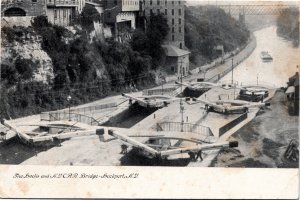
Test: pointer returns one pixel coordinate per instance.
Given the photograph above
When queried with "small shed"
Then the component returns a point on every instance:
(177, 60)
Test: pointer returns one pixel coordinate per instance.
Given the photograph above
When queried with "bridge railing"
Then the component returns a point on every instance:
(57, 116)
(205, 133)
(89, 109)
(165, 91)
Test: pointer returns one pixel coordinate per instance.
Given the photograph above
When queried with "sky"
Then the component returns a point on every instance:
(241, 2)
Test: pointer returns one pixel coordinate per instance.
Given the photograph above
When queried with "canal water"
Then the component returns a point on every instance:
(285, 55)
(131, 116)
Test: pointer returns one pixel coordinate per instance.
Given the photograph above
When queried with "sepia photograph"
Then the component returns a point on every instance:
(182, 85)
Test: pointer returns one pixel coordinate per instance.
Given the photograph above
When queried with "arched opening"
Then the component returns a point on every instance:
(14, 12)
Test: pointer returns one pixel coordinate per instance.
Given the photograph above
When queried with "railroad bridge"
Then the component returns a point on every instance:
(17, 8)
(242, 9)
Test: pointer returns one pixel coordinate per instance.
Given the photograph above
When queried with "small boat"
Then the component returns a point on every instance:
(265, 56)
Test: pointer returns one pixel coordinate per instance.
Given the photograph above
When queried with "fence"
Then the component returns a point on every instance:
(158, 91)
(204, 132)
(232, 124)
(56, 116)
(89, 109)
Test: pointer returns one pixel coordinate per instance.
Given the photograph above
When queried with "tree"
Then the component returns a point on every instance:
(40, 22)
(139, 41)
(157, 30)
(25, 67)
(88, 15)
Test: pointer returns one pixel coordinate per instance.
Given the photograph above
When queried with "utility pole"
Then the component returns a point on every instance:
(231, 70)
(181, 103)
(69, 99)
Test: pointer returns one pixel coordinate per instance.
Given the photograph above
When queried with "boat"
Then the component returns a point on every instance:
(266, 57)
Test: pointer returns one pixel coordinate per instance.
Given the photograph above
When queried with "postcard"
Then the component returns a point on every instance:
(149, 99)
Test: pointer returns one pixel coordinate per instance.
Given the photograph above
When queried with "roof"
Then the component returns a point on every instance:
(174, 51)
(294, 80)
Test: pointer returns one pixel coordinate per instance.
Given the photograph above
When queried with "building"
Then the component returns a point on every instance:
(121, 16)
(17, 8)
(177, 60)
(292, 93)
(174, 12)
(61, 12)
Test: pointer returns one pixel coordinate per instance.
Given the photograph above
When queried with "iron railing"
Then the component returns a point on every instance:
(205, 133)
(165, 91)
(62, 3)
(56, 116)
(89, 109)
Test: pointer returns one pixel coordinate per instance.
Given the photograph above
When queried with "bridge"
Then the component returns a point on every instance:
(250, 8)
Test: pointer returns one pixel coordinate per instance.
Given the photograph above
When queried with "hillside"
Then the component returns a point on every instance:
(288, 25)
(209, 26)
(42, 65)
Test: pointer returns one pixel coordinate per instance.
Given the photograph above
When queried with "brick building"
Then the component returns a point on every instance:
(177, 58)
(174, 12)
(20, 8)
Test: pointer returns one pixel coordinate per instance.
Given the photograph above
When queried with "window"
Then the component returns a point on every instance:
(64, 13)
(172, 11)
(179, 11)
(150, 2)
(173, 29)
(115, 2)
(172, 21)
(34, 1)
(55, 14)
(151, 12)
(158, 2)
(173, 38)
(172, 2)
(179, 2)
(179, 29)
(180, 45)
(179, 21)
(166, 11)
(166, 2)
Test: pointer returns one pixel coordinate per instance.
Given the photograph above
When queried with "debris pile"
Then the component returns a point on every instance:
(292, 151)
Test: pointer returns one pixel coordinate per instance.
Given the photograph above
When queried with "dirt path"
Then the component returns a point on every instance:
(263, 141)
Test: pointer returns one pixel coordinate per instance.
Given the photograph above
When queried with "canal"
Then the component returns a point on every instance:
(285, 55)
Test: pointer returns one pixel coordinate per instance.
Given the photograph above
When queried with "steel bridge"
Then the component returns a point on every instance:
(256, 9)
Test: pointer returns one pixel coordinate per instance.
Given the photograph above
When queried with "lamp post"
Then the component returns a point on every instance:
(69, 100)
